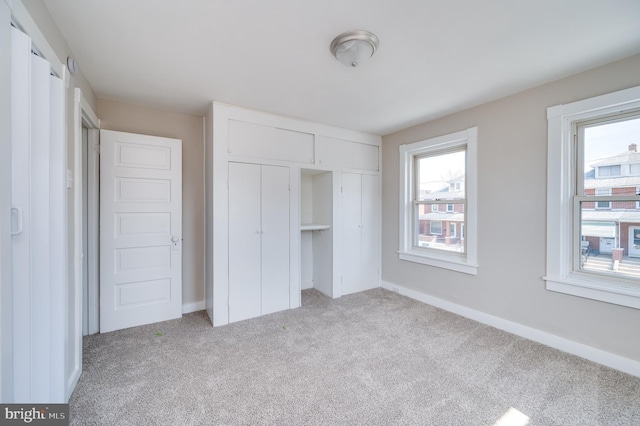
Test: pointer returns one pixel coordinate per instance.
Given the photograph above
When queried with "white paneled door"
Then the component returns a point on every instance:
(140, 229)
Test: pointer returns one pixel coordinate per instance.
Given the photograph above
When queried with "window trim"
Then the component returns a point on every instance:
(461, 262)
(561, 183)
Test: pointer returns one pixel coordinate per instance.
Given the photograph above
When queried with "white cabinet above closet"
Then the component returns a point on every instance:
(269, 143)
(343, 154)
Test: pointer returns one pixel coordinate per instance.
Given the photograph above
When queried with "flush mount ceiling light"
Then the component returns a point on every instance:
(354, 47)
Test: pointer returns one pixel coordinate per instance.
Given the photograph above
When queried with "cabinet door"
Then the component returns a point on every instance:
(275, 239)
(244, 241)
(370, 231)
(351, 236)
(341, 153)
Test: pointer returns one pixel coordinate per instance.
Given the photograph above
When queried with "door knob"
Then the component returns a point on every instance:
(174, 242)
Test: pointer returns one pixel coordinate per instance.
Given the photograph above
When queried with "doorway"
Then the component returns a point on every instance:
(634, 241)
(86, 210)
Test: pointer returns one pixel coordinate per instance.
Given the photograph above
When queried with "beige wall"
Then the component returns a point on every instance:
(512, 153)
(189, 128)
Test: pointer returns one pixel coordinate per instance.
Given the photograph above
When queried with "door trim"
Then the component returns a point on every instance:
(83, 114)
(631, 232)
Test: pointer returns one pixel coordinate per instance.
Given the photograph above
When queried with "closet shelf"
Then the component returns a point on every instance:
(313, 227)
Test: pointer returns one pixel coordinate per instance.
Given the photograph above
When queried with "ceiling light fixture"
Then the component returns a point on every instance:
(354, 47)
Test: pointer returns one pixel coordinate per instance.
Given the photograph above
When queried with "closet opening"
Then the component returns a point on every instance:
(316, 231)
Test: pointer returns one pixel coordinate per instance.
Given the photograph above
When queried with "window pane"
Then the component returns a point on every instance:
(610, 244)
(441, 176)
(438, 229)
(611, 157)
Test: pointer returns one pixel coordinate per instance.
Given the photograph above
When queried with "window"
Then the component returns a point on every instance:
(440, 172)
(603, 204)
(590, 229)
(435, 227)
(634, 169)
(605, 171)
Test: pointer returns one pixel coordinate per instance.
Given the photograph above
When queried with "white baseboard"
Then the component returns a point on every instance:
(187, 308)
(599, 356)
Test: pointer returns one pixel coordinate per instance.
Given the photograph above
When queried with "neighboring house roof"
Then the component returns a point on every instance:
(614, 182)
(624, 158)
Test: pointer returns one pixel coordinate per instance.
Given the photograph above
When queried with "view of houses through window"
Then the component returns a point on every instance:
(607, 196)
(440, 200)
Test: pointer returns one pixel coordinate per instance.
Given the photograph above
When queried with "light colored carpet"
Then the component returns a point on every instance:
(373, 358)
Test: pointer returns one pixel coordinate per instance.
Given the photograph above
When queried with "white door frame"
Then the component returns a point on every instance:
(633, 252)
(84, 116)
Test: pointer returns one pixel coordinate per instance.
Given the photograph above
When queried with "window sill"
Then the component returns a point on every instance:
(616, 293)
(452, 262)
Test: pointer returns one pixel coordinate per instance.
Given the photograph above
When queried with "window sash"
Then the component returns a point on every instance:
(577, 258)
(430, 154)
(437, 201)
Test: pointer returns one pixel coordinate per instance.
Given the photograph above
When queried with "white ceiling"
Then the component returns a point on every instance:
(435, 56)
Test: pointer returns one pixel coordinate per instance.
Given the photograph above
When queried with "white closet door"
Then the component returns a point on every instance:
(360, 232)
(40, 315)
(245, 294)
(275, 239)
(40, 290)
(351, 236)
(370, 232)
(21, 209)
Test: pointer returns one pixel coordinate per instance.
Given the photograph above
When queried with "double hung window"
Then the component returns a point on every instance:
(593, 221)
(439, 178)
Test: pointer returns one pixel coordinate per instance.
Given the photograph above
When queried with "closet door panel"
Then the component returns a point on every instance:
(370, 231)
(351, 244)
(244, 241)
(275, 239)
